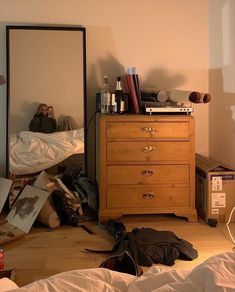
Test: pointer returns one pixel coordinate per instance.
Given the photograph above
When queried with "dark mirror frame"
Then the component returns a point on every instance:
(9, 28)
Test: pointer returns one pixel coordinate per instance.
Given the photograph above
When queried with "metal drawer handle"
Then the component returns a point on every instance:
(148, 149)
(147, 129)
(147, 172)
(148, 196)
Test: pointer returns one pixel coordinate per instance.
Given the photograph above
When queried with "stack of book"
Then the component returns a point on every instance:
(132, 87)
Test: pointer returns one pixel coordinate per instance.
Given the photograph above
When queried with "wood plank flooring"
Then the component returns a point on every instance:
(44, 252)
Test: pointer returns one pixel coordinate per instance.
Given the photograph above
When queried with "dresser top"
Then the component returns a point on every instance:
(139, 118)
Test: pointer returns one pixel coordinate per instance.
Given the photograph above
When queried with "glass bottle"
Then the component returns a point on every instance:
(119, 96)
(105, 97)
(113, 105)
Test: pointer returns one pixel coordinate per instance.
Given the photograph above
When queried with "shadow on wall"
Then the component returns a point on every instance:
(112, 68)
(27, 110)
(161, 79)
(221, 81)
(222, 120)
(232, 107)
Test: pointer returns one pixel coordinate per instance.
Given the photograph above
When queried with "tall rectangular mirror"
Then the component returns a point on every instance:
(46, 94)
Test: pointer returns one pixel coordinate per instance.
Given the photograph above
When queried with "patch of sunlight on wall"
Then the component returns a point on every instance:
(228, 41)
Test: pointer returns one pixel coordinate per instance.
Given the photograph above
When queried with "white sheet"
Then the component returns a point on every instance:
(87, 280)
(216, 274)
(7, 284)
(31, 152)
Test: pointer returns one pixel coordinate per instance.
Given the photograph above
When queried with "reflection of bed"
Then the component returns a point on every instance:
(215, 274)
(31, 152)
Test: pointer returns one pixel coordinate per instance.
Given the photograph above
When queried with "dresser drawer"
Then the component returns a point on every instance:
(147, 197)
(145, 130)
(147, 151)
(147, 174)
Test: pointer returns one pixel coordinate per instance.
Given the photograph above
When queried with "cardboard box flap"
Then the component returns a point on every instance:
(208, 164)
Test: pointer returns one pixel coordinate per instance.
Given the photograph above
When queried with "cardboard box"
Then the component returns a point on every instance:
(215, 190)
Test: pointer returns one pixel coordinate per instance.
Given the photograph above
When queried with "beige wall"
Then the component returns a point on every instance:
(167, 40)
(222, 80)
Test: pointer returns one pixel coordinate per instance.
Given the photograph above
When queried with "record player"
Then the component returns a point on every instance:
(169, 110)
(165, 108)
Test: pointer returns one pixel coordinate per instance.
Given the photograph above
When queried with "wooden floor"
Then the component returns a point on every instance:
(44, 252)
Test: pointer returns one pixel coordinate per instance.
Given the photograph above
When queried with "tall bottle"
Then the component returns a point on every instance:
(105, 97)
(119, 96)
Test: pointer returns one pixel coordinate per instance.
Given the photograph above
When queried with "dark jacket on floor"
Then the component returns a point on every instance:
(148, 246)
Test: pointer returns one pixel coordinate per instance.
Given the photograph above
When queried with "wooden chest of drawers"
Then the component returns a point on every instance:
(145, 165)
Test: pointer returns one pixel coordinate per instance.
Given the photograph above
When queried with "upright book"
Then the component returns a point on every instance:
(129, 86)
(135, 78)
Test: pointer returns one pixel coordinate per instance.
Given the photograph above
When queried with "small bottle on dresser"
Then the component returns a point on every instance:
(105, 97)
(113, 105)
(119, 96)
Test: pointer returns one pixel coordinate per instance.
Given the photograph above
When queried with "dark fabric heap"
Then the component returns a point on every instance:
(123, 263)
(148, 246)
(42, 124)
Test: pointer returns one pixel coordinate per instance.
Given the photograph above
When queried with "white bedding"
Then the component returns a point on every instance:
(31, 152)
(216, 274)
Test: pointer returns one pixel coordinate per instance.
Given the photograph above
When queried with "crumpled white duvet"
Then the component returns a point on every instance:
(216, 274)
(31, 152)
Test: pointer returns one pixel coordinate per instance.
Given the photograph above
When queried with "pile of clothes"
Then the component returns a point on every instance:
(144, 247)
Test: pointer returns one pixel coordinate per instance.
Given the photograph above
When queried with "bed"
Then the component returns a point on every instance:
(32, 152)
(216, 274)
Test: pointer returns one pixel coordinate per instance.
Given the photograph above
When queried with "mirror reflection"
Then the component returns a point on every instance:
(46, 97)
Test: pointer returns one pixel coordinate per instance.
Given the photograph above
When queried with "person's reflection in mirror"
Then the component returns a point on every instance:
(42, 110)
(50, 112)
(42, 122)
